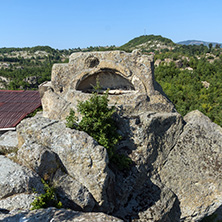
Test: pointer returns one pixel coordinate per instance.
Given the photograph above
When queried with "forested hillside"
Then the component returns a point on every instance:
(25, 68)
(191, 75)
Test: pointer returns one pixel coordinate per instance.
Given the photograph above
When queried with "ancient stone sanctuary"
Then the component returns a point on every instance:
(176, 170)
(129, 76)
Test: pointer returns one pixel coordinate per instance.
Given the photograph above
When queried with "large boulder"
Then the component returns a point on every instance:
(193, 170)
(48, 166)
(83, 159)
(39, 158)
(147, 138)
(17, 185)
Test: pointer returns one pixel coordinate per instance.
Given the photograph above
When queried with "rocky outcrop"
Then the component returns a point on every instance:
(175, 160)
(32, 80)
(176, 169)
(129, 76)
(3, 80)
(38, 158)
(147, 138)
(80, 155)
(193, 170)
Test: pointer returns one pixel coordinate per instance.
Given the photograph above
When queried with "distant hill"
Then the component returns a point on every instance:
(198, 42)
(148, 42)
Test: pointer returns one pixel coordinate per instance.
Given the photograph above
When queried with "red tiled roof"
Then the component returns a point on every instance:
(15, 105)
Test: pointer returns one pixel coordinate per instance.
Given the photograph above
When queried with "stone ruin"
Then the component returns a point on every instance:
(128, 76)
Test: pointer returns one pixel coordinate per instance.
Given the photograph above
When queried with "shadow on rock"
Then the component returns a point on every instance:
(139, 193)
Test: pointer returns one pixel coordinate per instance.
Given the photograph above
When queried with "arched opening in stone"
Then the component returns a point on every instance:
(108, 79)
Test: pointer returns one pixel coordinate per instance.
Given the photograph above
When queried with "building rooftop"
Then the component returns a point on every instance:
(16, 105)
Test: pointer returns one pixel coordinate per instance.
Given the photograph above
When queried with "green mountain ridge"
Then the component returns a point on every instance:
(144, 42)
(198, 42)
(148, 42)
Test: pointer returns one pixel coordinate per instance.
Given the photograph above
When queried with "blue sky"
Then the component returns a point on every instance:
(67, 24)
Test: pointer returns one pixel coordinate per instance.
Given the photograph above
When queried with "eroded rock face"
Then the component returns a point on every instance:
(147, 138)
(17, 184)
(82, 157)
(89, 184)
(16, 179)
(129, 76)
(174, 161)
(193, 170)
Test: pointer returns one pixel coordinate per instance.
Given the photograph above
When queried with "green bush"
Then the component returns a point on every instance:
(47, 199)
(98, 122)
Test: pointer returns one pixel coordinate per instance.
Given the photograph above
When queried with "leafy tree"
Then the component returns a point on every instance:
(217, 46)
(210, 46)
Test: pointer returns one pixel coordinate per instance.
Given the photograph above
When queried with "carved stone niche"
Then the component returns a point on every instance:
(108, 79)
(128, 76)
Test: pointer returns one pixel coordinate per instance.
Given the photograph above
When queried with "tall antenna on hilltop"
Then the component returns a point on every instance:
(144, 31)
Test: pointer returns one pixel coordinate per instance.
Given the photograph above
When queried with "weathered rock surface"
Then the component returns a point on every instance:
(20, 201)
(82, 157)
(129, 76)
(17, 183)
(193, 170)
(16, 179)
(148, 137)
(72, 193)
(154, 141)
(149, 201)
(8, 142)
(39, 158)
(56, 215)
(166, 208)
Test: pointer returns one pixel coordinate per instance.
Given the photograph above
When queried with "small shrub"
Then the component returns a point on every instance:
(210, 57)
(71, 120)
(34, 112)
(98, 122)
(47, 199)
